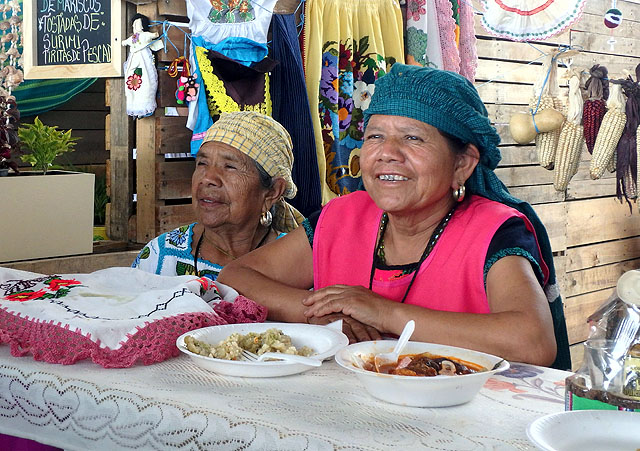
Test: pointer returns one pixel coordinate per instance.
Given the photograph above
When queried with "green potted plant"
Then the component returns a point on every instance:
(45, 143)
(51, 211)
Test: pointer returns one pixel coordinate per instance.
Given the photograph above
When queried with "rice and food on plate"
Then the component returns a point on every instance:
(272, 340)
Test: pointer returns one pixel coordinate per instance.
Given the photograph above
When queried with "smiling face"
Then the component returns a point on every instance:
(407, 165)
(225, 187)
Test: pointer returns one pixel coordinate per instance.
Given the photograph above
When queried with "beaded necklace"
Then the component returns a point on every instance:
(378, 252)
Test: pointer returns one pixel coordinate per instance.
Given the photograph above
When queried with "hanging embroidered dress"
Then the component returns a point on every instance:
(530, 20)
(347, 46)
(140, 72)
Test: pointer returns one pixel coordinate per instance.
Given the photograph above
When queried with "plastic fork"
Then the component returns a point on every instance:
(281, 356)
(392, 357)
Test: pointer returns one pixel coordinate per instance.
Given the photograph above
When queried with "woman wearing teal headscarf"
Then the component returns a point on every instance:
(435, 238)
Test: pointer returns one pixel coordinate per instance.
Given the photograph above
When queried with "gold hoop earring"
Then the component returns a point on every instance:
(458, 194)
(266, 219)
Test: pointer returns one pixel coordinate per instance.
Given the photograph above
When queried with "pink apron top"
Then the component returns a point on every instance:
(450, 279)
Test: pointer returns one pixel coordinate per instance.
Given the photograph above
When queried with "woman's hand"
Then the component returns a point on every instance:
(356, 302)
(353, 329)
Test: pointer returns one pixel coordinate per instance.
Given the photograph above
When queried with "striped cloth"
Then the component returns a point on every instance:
(38, 96)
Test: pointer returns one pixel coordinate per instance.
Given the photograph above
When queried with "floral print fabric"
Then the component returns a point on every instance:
(348, 46)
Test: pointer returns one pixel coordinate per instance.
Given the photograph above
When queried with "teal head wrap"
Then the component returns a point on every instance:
(450, 103)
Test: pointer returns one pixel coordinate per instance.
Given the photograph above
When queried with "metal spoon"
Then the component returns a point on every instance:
(392, 357)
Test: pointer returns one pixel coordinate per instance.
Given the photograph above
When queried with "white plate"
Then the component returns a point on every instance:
(587, 430)
(325, 341)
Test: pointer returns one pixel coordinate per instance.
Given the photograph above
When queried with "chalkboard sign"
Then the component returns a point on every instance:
(73, 38)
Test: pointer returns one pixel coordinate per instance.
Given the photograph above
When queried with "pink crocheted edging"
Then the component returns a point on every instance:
(468, 50)
(151, 343)
(447, 27)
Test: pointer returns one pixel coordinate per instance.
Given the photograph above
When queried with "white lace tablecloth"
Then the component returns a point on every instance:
(175, 404)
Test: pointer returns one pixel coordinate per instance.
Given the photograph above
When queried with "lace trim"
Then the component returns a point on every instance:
(218, 100)
(512, 251)
(447, 27)
(151, 343)
(468, 50)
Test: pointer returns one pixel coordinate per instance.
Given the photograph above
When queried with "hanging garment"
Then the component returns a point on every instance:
(141, 74)
(291, 108)
(467, 48)
(216, 20)
(229, 86)
(447, 27)
(422, 37)
(530, 20)
(347, 46)
(243, 51)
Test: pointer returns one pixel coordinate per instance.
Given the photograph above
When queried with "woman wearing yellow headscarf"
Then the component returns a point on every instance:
(242, 175)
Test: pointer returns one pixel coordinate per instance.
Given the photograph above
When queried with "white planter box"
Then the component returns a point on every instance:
(46, 215)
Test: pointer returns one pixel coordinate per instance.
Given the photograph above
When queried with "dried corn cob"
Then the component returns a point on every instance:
(609, 134)
(613, 162)
(595, 106)
(547, 143)
(546, 90)
(570, 140)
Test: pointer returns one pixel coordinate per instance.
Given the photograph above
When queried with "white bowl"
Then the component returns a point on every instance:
(415, 391)
(325, 341)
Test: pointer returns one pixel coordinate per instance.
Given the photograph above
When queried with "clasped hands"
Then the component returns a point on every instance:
(361, 310)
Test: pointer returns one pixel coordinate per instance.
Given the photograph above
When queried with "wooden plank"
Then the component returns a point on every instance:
(518, 155)
(167, 86)
(513, 51)
(174, 179)
(630, 10)
(107, 132)
(554, 218)
(88, 120)
(85, 101)
(146, 160)
(585, 189)
(121, 163)
(537, 194)
(172, 135)
(524, 175)
(177, 36)
(499, 92)
(595, 220)
(77, 264)
(589, 256)
(173, 8)
(597, 278)
(622, 57)
(172, 216)
(578, 308)
(594, 23)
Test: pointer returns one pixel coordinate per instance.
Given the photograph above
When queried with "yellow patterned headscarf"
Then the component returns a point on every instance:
(268, 143)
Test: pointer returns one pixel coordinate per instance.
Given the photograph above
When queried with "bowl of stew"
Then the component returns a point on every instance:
(426, 375)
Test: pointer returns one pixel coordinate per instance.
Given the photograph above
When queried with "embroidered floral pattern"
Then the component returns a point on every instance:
(231, 11)
(55, 288)
(346, 85)
(135, 38)
(416, 47)
(134, 82)
(178, 237)
(416, 9)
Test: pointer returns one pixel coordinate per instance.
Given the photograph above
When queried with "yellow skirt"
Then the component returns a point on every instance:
(348, 45)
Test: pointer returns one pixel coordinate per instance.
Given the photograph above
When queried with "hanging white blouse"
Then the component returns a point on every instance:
(216, 20)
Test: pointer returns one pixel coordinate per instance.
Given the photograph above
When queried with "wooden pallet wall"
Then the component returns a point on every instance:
(594, 237)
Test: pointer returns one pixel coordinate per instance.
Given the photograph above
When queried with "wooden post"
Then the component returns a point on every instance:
(121, 143)
(146, 179)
